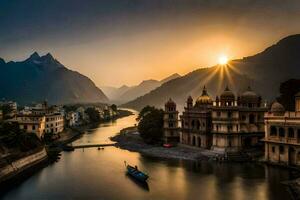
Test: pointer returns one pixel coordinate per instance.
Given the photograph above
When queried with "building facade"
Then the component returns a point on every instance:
(196, 122)
(32, 123)
(282, 134)
(238, 122)
(229, 124)
(171, 128)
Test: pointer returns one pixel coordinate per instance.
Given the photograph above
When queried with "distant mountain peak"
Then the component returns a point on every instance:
(2, 61)
(34, 56)
(48, 58)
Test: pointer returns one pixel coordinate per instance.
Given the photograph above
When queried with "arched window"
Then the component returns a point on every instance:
(251, 119)
(281, 132)
(291, 133)
(193, 124)
(273, 131)
(281, 149)
(198, 125)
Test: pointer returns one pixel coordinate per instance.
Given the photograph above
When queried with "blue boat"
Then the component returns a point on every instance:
(135, 173)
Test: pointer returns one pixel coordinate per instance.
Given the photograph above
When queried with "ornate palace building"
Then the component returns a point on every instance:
(196, 121)
(282, 134)
(228, 124)
(238, 122)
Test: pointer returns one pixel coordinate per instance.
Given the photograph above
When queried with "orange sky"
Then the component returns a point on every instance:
(121, 42)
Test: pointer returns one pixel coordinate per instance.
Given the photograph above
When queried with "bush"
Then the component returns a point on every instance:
(93, 114)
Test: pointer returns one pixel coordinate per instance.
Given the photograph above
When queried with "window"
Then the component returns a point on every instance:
(273, 149)
(281, 132)
(291, 133)
(251, 119)
(243, 117)
(229, 128)
(33, 127)
(25, 127)
(273, 131)
(198, 125)
(171, 116)
(229, 114)
(219, 114)
(281, 149)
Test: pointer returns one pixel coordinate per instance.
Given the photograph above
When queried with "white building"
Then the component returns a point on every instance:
(73, 118)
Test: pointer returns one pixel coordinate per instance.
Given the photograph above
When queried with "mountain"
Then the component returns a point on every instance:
(44, 78)
(114, 93)
(125, 93)
(263, 72)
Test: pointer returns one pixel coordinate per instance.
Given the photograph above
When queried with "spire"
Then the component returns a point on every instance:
(204, 91)
(227, 88)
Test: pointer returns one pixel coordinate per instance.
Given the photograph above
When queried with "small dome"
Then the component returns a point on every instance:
(249, 96)
(227, 94)
(204, 98)
(277, 108)
(170, 102)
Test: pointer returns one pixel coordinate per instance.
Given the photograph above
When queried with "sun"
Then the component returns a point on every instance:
(223, 60)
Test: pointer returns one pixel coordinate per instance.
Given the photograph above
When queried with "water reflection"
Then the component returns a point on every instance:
(94, 174)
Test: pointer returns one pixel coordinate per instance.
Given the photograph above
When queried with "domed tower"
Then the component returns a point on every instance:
(250, 99)
(189, 102)
(227, 98)
(277, 109)
(204, 100)
(171, 131)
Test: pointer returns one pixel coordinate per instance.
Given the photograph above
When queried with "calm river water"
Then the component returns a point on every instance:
(92, 174)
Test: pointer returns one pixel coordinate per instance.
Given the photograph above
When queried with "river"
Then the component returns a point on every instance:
(100, 174)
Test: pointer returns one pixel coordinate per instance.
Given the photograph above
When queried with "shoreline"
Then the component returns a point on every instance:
(129, 139)
(53, 152)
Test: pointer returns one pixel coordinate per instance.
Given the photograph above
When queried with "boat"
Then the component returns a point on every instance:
(135, 173)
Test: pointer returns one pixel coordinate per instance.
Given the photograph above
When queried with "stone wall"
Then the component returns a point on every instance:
(18, 166)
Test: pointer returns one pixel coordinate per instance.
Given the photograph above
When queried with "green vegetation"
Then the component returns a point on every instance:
(145, 111)
(12, 137)
(151, 124)
(288, 90)
(93, 114)
(114, 107)
(6, 109)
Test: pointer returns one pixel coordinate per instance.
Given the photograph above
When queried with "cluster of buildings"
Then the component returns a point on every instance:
(234, 123)
(42, 118)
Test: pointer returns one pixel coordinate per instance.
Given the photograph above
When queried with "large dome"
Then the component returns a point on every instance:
(204, 99)
(277, 108)
(227, 95)
(249, 96)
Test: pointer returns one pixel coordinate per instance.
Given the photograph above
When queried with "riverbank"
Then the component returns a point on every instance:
(129, 139)
(11, 170)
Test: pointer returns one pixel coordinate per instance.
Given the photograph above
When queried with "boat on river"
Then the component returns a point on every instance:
(136, 173)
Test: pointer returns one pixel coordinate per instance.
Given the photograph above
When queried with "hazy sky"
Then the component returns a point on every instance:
(117, 42)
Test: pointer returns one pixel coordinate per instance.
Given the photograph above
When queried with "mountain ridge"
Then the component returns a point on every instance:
(263, 71)
(40, 78)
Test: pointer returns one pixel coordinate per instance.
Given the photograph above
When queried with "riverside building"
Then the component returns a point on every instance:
(228, 124)
(282, 134)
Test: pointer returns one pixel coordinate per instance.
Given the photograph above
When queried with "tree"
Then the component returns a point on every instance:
(93, 114)
(288, 90)
(146, 110)
(150, 125)
(6, 109)
(12, 137)
(114, 107)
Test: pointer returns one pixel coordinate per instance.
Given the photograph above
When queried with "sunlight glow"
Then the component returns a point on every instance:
(223, 60)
